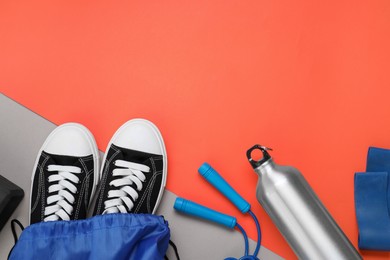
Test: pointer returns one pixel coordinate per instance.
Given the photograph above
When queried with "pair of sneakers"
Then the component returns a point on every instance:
(66, 173)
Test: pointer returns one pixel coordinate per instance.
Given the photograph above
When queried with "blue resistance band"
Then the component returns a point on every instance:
(372, 201)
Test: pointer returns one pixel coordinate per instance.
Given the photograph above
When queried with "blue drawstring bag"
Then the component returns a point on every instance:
(110, 236)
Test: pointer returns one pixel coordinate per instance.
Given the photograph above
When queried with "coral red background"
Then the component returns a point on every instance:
(310, 79)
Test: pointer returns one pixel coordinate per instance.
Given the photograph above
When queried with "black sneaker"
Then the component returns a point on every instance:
(134, 172)
(65, 175)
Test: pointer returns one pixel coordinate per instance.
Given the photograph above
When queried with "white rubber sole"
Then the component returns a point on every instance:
(162, 146)
(92, 143)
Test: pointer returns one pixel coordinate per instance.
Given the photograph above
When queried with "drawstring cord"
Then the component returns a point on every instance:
(13, 229)
(175, 249)
(13, 222)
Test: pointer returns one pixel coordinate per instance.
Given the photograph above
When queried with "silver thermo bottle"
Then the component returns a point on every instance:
(297, 212)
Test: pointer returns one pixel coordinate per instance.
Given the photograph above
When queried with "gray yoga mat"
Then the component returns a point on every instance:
(22, 133)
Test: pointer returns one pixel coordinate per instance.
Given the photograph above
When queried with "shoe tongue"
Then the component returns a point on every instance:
(63, 159)
(133, 155)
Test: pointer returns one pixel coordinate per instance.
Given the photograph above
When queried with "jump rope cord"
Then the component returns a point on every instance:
(245, 238)
(247, 256)
(258, 233)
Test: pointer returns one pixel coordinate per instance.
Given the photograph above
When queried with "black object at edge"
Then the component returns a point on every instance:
(10, 197)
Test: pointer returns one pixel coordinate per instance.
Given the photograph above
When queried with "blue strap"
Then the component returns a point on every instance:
(371, 210)
(378, 160)
(372, 198)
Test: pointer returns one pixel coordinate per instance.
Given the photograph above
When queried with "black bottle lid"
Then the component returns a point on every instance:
(265, 158)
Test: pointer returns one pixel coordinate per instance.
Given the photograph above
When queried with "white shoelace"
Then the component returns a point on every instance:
(133, 173)
(65, 190)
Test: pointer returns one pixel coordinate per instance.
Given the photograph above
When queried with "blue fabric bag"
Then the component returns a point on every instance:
(111, 236)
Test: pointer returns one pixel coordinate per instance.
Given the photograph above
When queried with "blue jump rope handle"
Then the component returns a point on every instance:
(218, 182)
(194, 209)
